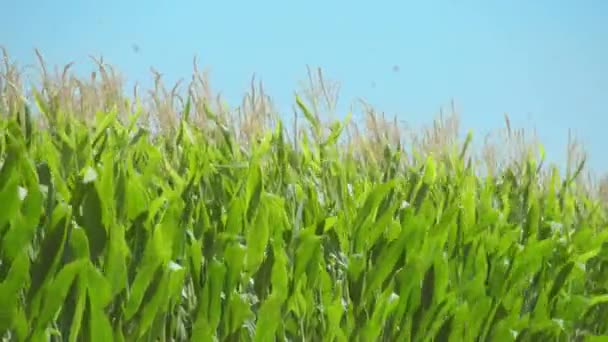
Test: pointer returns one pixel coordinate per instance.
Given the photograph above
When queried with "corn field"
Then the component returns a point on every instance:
(113, 231)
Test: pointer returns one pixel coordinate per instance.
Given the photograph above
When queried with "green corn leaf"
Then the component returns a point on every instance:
(9, 196)
(79, 309)
(100, 327)
(57, 291)
(9, 292)
(49, 256)
(257, 240)
(269, 316)
(92, 221)
(254, 191)
(142, 281)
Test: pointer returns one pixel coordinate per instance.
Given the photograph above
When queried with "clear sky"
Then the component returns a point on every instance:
(543, 62)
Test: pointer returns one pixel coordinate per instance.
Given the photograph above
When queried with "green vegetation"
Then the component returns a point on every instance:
(213, 228)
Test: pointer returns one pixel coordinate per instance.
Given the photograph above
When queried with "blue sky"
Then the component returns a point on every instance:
(543, 62)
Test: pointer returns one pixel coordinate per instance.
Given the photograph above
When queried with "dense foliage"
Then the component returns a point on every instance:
(111, 232)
